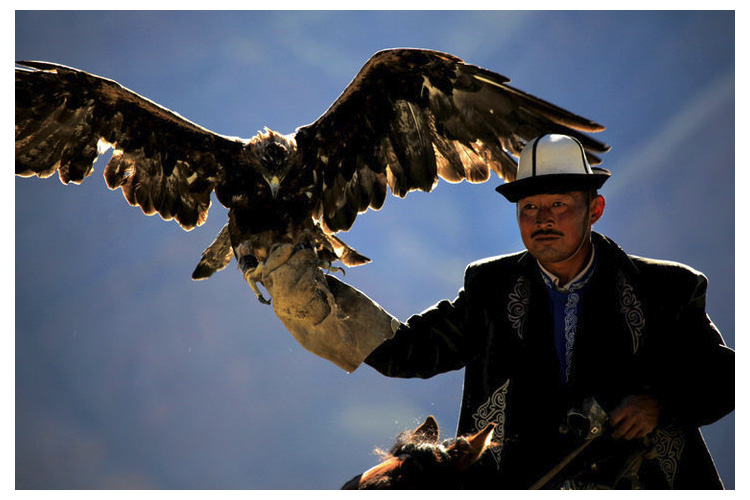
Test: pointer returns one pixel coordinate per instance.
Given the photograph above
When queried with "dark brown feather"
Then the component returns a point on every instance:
(62, 113)
(216, 257)
(420, 115)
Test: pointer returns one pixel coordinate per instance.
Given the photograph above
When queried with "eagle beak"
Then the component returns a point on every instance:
(273, 183)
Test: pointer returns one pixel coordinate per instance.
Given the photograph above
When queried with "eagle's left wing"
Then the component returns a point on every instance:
(411, 116)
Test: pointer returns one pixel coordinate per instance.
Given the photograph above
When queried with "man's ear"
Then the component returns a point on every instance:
(597, 208)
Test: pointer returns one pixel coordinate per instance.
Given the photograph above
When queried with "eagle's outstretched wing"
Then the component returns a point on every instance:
(411, 116)
(162, 162)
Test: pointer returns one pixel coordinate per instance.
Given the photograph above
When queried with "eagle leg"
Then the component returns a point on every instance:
(253, 276)
(326, 256)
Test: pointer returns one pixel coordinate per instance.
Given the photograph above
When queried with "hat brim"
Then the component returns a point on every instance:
(553, 183)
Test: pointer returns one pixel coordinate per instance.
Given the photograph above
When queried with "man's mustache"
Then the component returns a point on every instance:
(546, 232)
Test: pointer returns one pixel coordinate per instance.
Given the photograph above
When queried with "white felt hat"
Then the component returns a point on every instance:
(553, 163)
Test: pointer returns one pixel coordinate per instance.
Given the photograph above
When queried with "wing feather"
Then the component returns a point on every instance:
(411, 142)
(216, 257)
(420, 115)
(162, 162)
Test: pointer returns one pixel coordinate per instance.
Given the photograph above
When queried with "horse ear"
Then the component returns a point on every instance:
(428, 431)
(473, 446)
(481, 440)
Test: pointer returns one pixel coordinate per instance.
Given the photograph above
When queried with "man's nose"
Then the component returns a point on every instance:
(543, 215)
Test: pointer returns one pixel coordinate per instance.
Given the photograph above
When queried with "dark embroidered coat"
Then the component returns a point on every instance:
(643, 328)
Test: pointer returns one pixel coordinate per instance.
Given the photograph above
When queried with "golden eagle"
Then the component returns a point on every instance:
(409, 117)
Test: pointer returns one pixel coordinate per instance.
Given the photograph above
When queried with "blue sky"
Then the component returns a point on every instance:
(130, 375)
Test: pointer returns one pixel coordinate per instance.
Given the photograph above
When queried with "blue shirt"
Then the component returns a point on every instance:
(565, 303)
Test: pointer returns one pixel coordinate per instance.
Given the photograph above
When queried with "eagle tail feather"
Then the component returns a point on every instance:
(216, 257)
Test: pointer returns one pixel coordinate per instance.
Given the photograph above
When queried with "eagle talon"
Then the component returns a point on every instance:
(258, 293)
(325, 265)
(263, 300)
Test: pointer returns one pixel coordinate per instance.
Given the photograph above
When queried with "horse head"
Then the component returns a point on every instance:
(419, 461)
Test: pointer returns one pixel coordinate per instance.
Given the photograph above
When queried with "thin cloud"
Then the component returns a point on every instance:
(654, 156)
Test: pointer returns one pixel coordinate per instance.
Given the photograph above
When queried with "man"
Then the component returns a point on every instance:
(570, 319)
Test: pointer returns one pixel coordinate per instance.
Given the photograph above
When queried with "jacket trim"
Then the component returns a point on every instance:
(669, 444)
(518, 306)
(493, 411)
(632, 310)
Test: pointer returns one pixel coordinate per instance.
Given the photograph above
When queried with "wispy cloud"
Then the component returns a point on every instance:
(653, 156)
(507, 24)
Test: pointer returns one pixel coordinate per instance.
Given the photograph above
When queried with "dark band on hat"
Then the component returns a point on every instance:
(554, 183)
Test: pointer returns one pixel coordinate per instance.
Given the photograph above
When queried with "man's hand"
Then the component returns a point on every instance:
(635, 417)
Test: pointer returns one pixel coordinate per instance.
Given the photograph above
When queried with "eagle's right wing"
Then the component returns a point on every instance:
(164, 163)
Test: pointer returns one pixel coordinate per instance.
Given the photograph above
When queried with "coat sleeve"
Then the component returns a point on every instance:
(445, 337)
(696, 383)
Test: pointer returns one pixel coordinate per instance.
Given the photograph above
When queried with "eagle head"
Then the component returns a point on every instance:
(275, 154)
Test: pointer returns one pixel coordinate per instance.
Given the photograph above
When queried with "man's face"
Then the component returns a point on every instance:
(554, 225)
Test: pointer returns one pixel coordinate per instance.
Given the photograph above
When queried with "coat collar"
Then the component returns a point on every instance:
(608, 251)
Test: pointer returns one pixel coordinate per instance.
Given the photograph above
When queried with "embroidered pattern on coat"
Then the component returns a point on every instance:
(518, 306)
(630, 307)
(571, 322)
(493, 411)
(669, 443)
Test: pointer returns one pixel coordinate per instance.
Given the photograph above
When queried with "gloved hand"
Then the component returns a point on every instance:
(325, 315)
